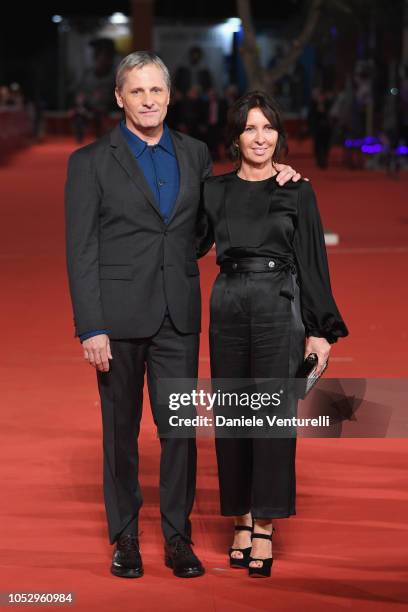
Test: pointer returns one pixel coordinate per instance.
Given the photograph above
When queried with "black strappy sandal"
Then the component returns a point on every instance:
(243, 562)
(265, 570)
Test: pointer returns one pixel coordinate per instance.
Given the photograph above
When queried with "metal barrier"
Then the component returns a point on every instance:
(15, 131)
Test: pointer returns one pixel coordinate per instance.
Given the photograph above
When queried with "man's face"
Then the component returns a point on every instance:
(144, 97)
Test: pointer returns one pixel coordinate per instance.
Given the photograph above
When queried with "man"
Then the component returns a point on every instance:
(131, 204)
(196, 74)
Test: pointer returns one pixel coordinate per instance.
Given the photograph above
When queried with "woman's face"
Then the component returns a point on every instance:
(258, 140)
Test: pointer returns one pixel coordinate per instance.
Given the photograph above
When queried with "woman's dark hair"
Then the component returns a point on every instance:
(237, 120)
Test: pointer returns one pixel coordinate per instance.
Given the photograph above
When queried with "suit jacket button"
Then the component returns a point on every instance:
(234, 266)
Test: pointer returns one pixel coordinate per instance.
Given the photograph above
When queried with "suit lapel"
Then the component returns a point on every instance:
(126, 159)
(182, 160)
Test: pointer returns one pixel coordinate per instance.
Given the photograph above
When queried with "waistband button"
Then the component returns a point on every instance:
(234, 266)
(271, 264)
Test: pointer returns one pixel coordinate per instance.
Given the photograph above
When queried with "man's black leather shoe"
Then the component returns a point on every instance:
(179, 556)
(126, 561)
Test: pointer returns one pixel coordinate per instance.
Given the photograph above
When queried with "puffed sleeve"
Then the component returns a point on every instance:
(320, 314)
(204, 229)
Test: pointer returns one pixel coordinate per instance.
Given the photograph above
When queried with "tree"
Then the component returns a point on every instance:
(259, 77)
(370, 21)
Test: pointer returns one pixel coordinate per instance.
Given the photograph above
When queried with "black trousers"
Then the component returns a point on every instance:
(255, 332)
(168, 354)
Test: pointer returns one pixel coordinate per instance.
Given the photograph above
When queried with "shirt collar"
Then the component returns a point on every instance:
(166, 142)
(138, 145)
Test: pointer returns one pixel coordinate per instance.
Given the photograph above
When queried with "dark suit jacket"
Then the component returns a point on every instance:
(124, 263)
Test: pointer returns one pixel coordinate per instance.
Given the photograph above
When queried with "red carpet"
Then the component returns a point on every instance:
(347, 546)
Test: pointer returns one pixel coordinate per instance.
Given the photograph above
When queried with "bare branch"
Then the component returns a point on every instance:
(342, 6)
(298, 44)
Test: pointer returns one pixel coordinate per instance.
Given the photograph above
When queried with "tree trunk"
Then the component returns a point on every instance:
(249, 51)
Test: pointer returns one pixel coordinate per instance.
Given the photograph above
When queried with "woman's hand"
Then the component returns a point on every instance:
(321, 347)
(286, 173)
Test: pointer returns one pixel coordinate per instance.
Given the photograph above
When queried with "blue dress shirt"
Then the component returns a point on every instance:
(160, 167)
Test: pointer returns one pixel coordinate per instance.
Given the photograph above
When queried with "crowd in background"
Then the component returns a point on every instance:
(342, 116)
(353, 118)
(11, 97)
(202, 114)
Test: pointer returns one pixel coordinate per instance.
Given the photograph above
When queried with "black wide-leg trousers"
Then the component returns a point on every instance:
(255, 332)
(168, 354)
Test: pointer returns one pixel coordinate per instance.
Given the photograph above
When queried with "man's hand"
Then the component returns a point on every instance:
(97, 352)
(321, 347)
(286, 173)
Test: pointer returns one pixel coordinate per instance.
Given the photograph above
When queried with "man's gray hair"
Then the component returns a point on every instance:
(138, 59)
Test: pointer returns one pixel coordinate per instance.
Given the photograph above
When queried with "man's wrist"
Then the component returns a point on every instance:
(90, 334)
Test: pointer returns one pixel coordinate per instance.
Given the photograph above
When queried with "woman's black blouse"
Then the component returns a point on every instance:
(264, 219)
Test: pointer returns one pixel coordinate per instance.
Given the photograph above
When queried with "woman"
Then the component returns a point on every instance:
(271, 305)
